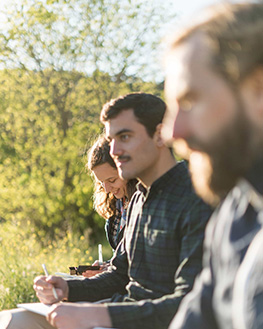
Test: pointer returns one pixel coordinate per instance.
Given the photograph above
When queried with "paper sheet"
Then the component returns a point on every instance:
(42, 309)
(35, 307)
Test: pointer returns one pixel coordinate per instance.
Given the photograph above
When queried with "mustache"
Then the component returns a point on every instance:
(122, 158)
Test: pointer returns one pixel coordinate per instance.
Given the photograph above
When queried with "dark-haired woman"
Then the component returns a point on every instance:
(111, 193)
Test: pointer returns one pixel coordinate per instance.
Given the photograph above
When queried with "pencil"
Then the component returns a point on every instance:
(100, 254)
(46, 273)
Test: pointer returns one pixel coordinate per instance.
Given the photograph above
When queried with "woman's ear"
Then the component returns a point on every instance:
(158, 136)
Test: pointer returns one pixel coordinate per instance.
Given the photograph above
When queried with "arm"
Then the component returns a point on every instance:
(81, 316)
(101, 286)
(105, 284)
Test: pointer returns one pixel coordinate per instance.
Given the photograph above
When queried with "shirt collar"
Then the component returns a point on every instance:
(249, 190)
(251, 195)
(175, 174)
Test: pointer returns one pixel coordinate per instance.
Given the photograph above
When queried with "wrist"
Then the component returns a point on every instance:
(102, 316)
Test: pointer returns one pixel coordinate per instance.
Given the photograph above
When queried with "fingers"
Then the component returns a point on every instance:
(90, 273)
(43, 287)
(52, 315)
(45, 294)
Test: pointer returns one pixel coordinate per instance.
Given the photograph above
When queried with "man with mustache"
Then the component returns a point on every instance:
(214, 90)
(156, 263)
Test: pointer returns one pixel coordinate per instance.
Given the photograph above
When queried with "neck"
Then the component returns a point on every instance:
(165, 162)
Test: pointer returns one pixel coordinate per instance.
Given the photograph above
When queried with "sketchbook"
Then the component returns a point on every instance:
(42, 309)
(38, 308)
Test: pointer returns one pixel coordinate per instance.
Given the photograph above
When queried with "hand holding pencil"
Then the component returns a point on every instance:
(46, 273)
(45, 288)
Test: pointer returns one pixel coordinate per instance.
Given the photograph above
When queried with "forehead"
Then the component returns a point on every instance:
(104, 172)
(186, 64)
(123, 122)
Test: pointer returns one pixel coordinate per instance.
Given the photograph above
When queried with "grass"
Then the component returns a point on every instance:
(21, 256)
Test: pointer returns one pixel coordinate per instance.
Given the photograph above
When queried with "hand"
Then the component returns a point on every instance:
(43, 286)
(90, 273)
(81, 316)
(104, 266)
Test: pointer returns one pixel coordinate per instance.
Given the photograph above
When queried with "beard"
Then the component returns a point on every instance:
(216, 166)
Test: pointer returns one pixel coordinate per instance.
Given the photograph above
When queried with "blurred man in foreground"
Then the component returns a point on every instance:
(214, 91)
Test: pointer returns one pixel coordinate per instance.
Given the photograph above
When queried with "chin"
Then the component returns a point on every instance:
(213, 178)
(126, 175)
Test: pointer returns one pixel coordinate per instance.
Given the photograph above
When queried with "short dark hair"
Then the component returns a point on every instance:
(148, 109)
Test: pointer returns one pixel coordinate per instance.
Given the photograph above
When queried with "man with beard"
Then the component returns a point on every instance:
(214, 90)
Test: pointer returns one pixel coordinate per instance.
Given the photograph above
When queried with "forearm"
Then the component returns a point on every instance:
(99, 287)
(74, 315)
(147, 314)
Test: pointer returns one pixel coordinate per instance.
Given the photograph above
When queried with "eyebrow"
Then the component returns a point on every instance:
(123, 131)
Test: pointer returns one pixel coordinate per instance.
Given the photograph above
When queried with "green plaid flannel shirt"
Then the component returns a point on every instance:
(156, 263)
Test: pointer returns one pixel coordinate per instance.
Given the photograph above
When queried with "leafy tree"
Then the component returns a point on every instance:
(60, 62)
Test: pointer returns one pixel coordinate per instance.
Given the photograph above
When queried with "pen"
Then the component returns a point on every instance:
(46, 273)
(100, 254)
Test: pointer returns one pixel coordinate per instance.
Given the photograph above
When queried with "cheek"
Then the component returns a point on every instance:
(119, 184)
(209, 119)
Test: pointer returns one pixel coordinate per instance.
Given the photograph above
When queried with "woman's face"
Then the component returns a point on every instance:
(110, 180)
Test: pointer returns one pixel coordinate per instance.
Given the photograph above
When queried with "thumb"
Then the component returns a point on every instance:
(60, 285)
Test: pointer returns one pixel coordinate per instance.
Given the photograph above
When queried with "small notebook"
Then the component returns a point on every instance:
(42, 309)
(38, 308)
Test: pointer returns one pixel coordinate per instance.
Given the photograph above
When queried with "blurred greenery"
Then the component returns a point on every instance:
(60, 61)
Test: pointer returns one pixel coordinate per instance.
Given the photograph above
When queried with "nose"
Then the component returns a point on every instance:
(114, 148)
(175, 125)
(181, 126)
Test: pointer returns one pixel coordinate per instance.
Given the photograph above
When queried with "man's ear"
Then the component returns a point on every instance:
(158, 136)
(252, 91)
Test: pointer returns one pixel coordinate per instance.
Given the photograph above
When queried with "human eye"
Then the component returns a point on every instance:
(186, 103)
(124, 137)
(113, 180)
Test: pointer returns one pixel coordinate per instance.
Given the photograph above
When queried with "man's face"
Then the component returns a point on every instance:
(205, 117)
(133, 150)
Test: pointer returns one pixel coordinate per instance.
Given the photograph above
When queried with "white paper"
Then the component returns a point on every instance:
(69, 276)
(38, 308)
(42, 309)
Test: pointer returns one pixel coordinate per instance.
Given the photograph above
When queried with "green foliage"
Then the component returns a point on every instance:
(42, 168)
(60, 62)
